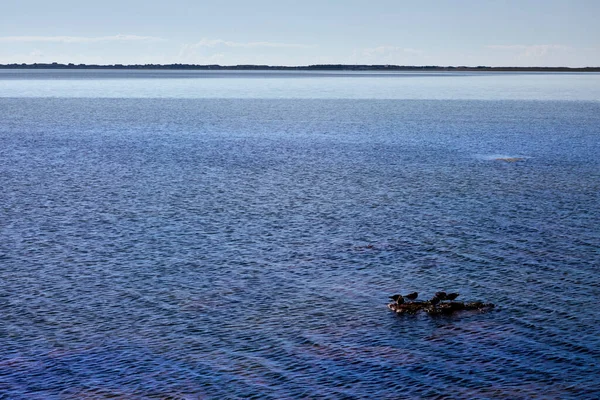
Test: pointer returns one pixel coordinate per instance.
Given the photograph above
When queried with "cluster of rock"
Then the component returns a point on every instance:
(441, 303)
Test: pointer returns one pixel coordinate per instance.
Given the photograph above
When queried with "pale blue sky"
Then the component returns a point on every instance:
(442, 32)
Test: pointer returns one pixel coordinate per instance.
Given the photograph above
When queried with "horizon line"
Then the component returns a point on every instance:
(335, 67)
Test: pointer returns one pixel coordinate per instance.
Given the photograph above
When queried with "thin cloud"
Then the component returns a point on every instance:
(78, 39)
(227, 43)
(530, 50)
(386, 54)
(392, 49)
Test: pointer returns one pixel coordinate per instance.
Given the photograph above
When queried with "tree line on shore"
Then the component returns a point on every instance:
(318, 67)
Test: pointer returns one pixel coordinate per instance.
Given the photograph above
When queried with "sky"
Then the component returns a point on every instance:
(284, 32)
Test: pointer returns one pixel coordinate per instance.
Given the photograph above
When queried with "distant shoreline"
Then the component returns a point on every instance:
(321, 67)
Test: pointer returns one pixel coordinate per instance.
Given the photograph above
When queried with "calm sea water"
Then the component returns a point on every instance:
(236, 235)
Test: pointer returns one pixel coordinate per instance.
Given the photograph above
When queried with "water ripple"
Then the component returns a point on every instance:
(246, 248)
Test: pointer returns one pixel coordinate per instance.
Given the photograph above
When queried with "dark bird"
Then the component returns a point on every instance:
(412, 296)
(452, 296)
(435, 300)
(441, 295)
(397, 298)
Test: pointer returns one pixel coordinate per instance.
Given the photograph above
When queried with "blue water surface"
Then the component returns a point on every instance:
(192, 237)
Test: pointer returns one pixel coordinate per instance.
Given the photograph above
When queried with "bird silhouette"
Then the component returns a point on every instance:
(452, 296)
(397, 298)
(435, 300)
(412, 296)
(441, 295)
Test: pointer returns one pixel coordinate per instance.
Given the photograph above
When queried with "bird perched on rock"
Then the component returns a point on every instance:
(412, 296)
(435, 300)
(397, 298)
(452, 296)
(441, 295)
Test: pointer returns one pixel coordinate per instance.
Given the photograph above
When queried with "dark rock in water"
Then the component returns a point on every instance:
(406, 308)
(436, 305)
(435, 308)
(453, 306)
